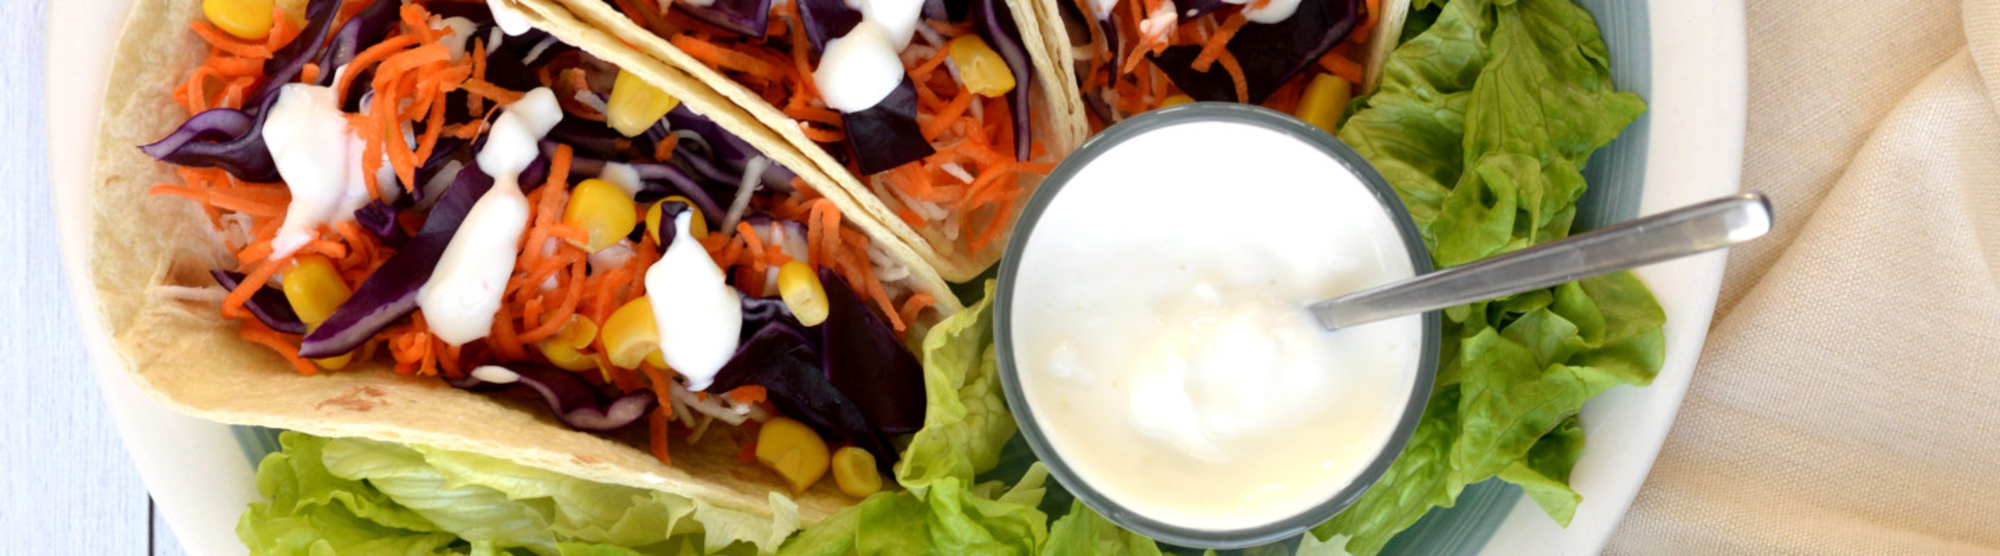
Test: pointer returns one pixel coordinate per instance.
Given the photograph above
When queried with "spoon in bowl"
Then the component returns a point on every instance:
(1669, 235)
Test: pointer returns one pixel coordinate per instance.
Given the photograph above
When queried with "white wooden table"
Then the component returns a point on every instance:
(66, 485)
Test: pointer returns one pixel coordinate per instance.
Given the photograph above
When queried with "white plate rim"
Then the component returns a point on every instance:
(201, 483)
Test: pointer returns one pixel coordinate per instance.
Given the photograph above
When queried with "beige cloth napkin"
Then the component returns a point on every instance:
(1848, 397)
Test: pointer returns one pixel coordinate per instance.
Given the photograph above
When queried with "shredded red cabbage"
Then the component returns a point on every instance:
(267, 304)
(887, 135)
(825, 20)
(865, 360)
(1271, 54)
(747, 17)
(391, 292)
(995, 23)
(570, 398)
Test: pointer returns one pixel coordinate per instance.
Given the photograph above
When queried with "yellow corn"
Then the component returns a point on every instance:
(603, 210)
(630, 334)
(246, 19)
(803, 294)
(655, 218)
(562, 348)
(1325, 99)
(854, 471)
(314, 289)
(1175, 100)
(793, 450)
(982, 69)
(636, 105)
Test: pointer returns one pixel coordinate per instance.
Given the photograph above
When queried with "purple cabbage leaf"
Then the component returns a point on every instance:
(1271, 54)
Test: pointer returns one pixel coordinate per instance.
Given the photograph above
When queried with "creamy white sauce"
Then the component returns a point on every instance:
(1103, 9)
(464, 291)
(1272, 11)
(1162, 337)
(320, 161)
(858, 69)
(508, 18)
(460, 31)
(496, 374)
(624, 176)
(699, 316)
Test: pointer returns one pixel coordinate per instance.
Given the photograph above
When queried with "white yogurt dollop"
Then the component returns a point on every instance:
(699, 316)
(309, 140)
(464, 291)
(1162, 338)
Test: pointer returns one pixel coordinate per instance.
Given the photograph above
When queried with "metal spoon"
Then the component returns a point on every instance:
(1669, 235)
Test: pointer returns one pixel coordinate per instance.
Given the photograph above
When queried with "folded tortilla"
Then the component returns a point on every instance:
(149, 263)
(1056, 116)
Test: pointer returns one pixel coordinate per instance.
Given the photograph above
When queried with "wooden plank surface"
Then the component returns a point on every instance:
(66, 485)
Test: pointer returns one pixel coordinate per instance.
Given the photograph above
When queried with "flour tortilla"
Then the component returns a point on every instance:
(149, 263)
(1056, 110)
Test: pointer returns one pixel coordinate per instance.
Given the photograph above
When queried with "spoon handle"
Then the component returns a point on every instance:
(1669, 235)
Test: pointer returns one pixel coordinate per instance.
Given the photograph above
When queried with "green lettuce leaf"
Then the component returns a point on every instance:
(358, 496)
(1483, 123)
(1544, 474)
(1083, 531)
(966, 421)
(951, 518)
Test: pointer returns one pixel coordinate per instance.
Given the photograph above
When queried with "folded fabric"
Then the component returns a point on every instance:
(1847, 400)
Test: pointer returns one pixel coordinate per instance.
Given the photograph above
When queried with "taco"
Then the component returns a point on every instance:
(946, 111)
(417, 222)
(1303, 57)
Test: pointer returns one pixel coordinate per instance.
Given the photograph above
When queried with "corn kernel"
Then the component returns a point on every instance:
(603, 210)
(636, 105)
(803, 294)
(1325, 100)
(246, 19)
(1176, 100)
(854, 470)
(793, 450)
(655, 217)
(562, 349)
(314, 289)
(630, 334)
(982, 69)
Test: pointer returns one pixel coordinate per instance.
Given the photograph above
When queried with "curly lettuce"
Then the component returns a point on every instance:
(1483, 123)
(333, 496)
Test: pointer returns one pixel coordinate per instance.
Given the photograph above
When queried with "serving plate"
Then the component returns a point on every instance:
(1687, 59)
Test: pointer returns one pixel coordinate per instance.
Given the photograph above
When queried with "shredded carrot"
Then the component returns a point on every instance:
(1219, 41)
(725, 58)
(1360, 33)
(950, 115)
(489, 91)
(285, 344)
(1235, 74)
(813, 114)
(822, 135)
(664, 149)
(748, 394)
(823, 222)
(309, 74)
(232, 304)
(1339, 65)
(224, 42)
(656, 433)
(916, 304)
(368, 58)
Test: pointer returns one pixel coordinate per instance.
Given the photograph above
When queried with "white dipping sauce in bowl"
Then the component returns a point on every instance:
(1159, 335)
